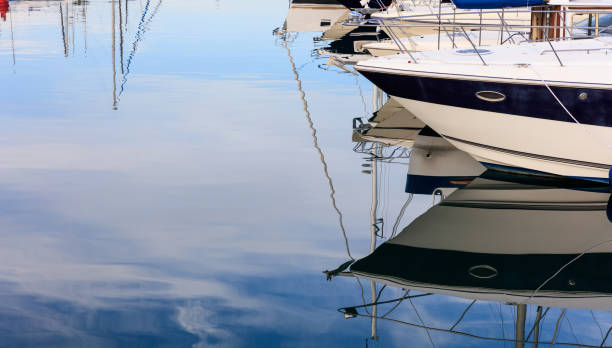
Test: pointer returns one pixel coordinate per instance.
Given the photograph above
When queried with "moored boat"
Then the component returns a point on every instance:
(537, 107)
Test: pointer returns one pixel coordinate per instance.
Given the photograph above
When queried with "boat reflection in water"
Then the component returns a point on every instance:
(512, 240)
(438, 166)
(349, 47)
(434, 163)
(314, 16)
(392, 124)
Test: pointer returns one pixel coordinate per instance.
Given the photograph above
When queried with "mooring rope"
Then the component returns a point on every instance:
(565, 266)
(596, 137)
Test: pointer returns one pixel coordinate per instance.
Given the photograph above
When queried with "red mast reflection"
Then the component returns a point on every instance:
(4, 8)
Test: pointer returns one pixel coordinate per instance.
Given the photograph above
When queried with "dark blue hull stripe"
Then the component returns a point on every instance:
(602, 184)
(514, 272)
(591, 106)
(400, 128)
(426, 184)
(536, 156)
(530, 177)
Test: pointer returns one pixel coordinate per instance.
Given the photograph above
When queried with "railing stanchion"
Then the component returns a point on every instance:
(474, 46)
(554, 51)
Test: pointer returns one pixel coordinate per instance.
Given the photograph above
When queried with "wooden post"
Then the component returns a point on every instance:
(537, 20)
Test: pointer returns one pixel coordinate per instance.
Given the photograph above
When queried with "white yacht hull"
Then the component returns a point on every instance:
(519, 109)
(489, 141)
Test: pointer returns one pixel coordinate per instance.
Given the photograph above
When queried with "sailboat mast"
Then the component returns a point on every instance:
(536, 327)
(12, 38)
(521, 315)
(84, 14)
(114, 64)
(121, 37)
(65, 43)
(66, 29)
(376, 154)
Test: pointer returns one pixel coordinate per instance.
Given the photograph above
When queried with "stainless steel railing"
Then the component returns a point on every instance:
(554, 26)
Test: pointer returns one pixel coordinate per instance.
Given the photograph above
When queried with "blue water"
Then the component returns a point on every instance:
(177, 198)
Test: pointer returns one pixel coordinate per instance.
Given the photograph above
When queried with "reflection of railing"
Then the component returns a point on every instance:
(396, 155)
(350, 312)
(533, 337)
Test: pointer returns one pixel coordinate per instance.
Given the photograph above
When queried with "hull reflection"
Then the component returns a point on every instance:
(393, 125)
(436, 164)
(505, 242)
(313, 17)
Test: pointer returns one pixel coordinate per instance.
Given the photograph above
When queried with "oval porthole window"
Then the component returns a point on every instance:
(490, 96)
(483, 272)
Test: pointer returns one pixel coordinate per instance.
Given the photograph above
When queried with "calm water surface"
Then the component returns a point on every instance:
(164, 182)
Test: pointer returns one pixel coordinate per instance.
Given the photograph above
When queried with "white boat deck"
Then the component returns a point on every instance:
(446, 40)
(583, 60)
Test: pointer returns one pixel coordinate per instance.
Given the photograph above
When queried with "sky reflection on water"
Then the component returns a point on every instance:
(197, 212)
(175, 219)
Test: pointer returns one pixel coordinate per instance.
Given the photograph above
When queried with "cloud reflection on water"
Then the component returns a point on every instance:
(196, 213)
